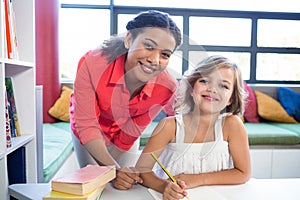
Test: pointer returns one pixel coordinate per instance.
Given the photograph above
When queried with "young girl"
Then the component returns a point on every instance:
(119, 89)
(206, 142)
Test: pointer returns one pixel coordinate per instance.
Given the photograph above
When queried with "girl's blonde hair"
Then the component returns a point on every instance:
(184, 100)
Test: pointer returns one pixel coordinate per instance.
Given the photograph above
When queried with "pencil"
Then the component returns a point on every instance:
(165, 170)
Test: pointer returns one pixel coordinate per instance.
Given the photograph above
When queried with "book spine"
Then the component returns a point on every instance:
(11, 99)
(7, 123)
(13, 32)
(11, 118)
(16, 165)
(7, 29)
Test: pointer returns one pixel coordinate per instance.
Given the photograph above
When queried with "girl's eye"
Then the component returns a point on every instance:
(225, 86)
(203, 81)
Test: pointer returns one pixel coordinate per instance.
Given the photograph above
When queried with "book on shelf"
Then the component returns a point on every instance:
(7, 123)
(13, 29)
(54, 195)
(84, 180)
(16, 166)
(10, 30)
(7, 29)
(11, 118)
(12, 103)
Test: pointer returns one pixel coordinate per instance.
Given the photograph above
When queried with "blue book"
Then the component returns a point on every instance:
(16, 166)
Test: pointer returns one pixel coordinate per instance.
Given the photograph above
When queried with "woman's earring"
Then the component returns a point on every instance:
(126, 45)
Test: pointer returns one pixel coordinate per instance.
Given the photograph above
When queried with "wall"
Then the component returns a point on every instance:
(47, 71)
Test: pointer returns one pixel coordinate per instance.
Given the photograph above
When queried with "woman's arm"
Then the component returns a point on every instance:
(126, 177)
(90, 69)
(235, 133)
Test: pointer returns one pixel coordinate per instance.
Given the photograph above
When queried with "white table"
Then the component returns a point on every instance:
(255, 189)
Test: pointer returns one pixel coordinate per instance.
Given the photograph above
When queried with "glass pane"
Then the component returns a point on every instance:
(195, 57)
(242, 59)
(220, 31)
(250, 5)
(278, 33)
(175, 64)
(79, 31)
(123, 19)
(278, 67)
(91, 2)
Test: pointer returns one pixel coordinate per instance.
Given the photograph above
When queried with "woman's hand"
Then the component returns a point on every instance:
(126, 178)
(175, 191)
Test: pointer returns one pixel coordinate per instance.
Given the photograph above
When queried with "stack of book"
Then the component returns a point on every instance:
(85, 184)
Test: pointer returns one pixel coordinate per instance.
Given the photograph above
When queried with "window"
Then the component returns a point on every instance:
(278, 33)
(220, 31)
(273, 66)
(242, 59)
(262, 38)
(80, 30)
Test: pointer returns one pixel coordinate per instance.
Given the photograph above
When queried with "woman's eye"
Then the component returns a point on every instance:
(166, 55)
(148, 46)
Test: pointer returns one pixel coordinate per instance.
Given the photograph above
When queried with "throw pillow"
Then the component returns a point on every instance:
(250, 114)
(270, 109)
(290, 101)
(60, 109)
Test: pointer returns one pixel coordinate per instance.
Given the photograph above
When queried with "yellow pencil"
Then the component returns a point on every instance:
(165, 170)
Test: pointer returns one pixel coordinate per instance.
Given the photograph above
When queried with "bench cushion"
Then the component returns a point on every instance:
(147, 133)
(258, 133)
(57, 146)
(268, 134)
(292, 127)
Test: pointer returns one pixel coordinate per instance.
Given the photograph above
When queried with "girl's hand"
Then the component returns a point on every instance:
(189, 180)
(126, 178)
(175, 191)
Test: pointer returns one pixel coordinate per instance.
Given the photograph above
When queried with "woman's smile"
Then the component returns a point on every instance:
(148, 69)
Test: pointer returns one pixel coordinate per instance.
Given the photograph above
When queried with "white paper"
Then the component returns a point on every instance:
(202, 192)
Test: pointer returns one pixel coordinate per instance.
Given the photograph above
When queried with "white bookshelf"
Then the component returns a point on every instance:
(22, 71)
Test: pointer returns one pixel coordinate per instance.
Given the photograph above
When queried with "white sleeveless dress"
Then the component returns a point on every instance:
(195, 158)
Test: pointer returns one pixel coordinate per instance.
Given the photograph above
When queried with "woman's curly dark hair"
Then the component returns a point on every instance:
(114, 47)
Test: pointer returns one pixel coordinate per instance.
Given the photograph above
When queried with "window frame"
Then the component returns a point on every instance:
(186, 13)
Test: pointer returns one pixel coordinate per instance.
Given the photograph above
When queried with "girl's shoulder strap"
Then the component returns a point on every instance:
(219, 126)
(179, 128)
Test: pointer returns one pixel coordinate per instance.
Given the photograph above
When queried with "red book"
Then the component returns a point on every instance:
(7, 29)
(84, 180)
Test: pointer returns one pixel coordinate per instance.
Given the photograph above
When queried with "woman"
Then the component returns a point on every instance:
(118, 90)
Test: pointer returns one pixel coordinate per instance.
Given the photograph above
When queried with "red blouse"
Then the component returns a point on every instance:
(101, 106)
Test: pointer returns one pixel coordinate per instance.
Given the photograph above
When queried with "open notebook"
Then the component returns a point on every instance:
(202, 192)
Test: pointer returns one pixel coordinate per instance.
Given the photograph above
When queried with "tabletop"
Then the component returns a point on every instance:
(254, 189)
